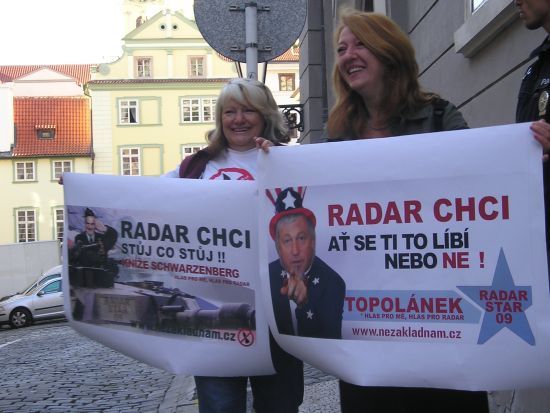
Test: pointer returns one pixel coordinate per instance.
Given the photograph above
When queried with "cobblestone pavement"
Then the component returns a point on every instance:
(51, 368)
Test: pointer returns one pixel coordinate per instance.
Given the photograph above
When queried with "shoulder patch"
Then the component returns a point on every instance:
(528, 72)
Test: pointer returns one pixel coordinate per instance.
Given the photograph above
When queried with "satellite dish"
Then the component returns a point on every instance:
(104, 69)
(222, 24)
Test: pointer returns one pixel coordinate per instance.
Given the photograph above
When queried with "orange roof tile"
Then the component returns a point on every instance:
(69, 116)
(291, 55)
(81, 73)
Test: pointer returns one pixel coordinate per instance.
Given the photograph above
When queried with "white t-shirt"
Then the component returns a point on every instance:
(233, 165)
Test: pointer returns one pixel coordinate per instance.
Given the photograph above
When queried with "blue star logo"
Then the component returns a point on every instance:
(504, 304)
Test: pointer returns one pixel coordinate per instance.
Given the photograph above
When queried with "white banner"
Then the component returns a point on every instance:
(427, 266)
(166, 271)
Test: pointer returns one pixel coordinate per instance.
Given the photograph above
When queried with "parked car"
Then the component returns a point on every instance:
(54, 272)
(42, 302)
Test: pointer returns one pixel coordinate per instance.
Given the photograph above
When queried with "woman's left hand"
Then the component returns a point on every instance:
(263, 144)
(541, 132)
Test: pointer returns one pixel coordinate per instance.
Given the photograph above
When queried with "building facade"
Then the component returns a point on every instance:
(154, 105)
(46, 131)
(471, 52)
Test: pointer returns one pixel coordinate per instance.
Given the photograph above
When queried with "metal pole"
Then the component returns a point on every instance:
(251, 39)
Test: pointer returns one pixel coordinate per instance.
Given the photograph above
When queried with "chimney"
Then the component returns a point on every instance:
(6, 117)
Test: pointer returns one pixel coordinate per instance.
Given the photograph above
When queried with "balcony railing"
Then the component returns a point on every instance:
(294, 115)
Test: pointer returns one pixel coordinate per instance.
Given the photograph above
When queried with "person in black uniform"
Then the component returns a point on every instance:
(89, 263)
(308, 295)
(534, 92)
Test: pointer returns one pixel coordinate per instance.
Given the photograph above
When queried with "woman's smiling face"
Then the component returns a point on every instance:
(241, 124)
(359, 68)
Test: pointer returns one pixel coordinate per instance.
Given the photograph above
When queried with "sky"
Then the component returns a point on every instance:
(60, 31)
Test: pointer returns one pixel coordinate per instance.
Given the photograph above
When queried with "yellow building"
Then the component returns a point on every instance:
(154, 105)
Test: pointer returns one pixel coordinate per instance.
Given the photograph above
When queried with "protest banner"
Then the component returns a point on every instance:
(412, 261)
(165, 271)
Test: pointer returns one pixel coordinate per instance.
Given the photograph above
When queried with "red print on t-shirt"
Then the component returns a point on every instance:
(233, 174)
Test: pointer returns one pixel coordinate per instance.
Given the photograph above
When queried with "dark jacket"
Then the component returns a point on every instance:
(535, 81)
(193, 166)
(424, 120)
(433, 117)
(87, 254)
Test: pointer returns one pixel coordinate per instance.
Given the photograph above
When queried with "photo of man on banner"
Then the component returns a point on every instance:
(90, 265)
(308, 295)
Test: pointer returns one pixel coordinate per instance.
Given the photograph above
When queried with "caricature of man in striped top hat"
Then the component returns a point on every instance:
(308, 295)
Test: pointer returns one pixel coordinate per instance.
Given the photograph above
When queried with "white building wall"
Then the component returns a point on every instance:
(102, 132)
(39, 88)
(46, 82)
(272, 81)
(6, 116)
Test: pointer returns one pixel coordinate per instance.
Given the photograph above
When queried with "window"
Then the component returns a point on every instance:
(144, 67)
(24, 171)
(26, 225)
(286, 82)
(368, 5)
(476, 4)
(190, 150)
(60, 167)
(208, 110)
(196, 66)
(190, 110)
(131, 162)
(48, 133)
(195, 110)
(54, 287)
(58, 215)
(484, 20)
(128, 112)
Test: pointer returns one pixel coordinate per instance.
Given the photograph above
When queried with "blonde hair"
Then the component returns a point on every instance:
(402, 92)
(254, 94)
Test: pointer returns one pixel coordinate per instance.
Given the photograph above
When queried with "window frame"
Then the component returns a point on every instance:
(483, 24)
(52, 287)
(30, 225)
(194, 148)
(473, 7)
(41, 132)
(56, 177)
(202, 109)
(25, 164)
(138, 68)
(58, 225)
(130, 162)
(282, 76)
(128, 104)
(193, 68)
